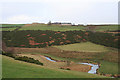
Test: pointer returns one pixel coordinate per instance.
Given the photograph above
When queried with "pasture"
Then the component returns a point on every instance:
(108, 67)
(8, 29)
(18, 69)
(11, 25)
(83, 47)
(108, 28)
(51, 27)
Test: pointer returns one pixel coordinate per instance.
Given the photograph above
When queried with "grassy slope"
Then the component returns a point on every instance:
(51, 27)
(108, 55)
(83, 47)
(18, 69)
(108, 67)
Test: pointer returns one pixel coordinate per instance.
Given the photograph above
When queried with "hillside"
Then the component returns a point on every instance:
(18, 69)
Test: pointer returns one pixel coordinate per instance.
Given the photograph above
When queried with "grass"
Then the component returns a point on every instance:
(107, 28)
(17, 69)
(83, 47)
(8, 29)
(11, 25)
(108, 67)
(51, 27)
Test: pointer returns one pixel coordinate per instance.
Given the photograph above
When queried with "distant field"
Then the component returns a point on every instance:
(83, 47)
(107, 28)
(59, 27)
(8, 29)
(51, 27)
(17, 69)
(11, 25)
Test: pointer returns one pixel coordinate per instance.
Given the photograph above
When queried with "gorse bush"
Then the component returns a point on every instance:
(40, 39)
(30, 60)
(24, 58)
(8, 54)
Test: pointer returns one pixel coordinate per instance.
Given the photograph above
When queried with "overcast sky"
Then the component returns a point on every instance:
(74, 11)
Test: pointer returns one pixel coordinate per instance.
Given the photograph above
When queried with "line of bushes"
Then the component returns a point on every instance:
(24, 58)
(9, 54)
(30, 60)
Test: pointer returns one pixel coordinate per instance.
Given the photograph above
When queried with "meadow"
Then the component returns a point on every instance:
(83, 47)
(8, 29)
(108, 28)
(60, 27)
(108, 67)
(51, 27)
(17, 69)
(11, 25)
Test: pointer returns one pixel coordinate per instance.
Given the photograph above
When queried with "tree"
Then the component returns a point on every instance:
(49, 23)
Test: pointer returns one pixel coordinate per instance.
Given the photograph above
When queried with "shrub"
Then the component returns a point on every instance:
(68, 69)
(30, 60)
(8, 54)
(39, 38)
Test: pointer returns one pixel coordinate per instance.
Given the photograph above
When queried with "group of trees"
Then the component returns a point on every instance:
(39, 38)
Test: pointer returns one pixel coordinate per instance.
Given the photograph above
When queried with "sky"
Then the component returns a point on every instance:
(74, 11)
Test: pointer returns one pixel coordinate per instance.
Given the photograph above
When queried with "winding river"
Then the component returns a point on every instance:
(50, 59)
(93, 68)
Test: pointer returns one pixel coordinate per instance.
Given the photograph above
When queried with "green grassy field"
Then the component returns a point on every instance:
(51, 27)
(107, 28)
(83, 47)
(59, 27)
(11, 25)
(108, 67)
(17, 69)
(8, 29)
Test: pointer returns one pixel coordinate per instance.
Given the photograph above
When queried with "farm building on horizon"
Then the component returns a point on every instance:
(59, 23)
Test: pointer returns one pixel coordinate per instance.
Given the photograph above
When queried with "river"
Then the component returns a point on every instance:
(93, 68)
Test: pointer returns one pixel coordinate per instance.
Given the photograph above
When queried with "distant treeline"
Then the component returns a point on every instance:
(38, 38)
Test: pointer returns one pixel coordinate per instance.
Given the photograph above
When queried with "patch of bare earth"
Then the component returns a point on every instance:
(78, 67)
